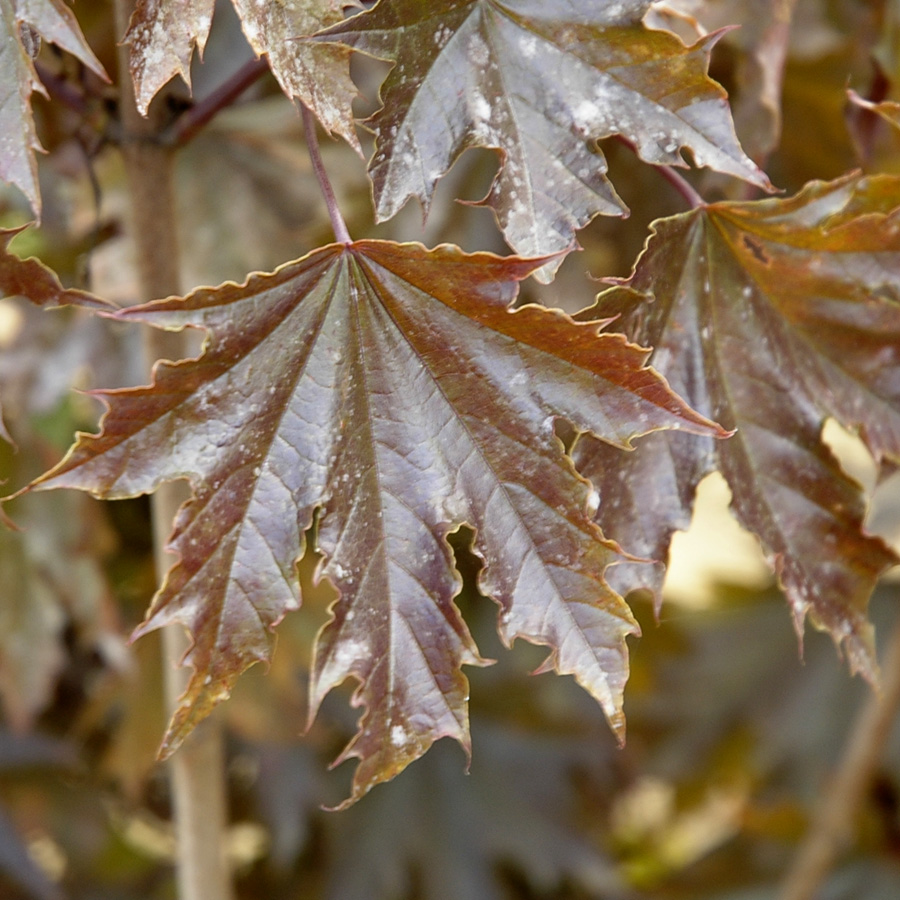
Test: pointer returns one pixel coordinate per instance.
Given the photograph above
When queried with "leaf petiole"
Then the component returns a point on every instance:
(679, 182)
(342, 236)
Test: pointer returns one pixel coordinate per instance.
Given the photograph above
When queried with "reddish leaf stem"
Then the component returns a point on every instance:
(683, 186)
(342, 236)
(832, 823)
(187, 125)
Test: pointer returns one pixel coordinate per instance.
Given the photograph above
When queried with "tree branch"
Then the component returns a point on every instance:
(189, 123)
(832, 824)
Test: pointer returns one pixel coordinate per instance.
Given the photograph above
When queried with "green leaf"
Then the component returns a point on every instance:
(771, 317)
(541, 83)
(21, 22)
(391, 387)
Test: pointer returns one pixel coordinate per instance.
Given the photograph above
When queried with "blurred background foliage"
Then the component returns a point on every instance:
(731, 736)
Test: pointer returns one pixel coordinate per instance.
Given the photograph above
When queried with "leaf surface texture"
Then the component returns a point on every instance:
(22, 24)
(391, 387)
(770, 317)
(164, 33)
(541, 83)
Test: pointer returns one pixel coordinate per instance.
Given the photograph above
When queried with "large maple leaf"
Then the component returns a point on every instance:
(164, 33)
(21, 21)
(392, 387)
(771, 317)
(542, 83)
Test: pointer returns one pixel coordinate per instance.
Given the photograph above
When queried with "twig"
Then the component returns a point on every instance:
(833, 821)
(190, 122)
(341, 235)
(197, 770)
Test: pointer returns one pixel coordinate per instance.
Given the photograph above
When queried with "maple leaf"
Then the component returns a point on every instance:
(771, 317)
(20, 22)
(392, 387)
(542, 83)
(164, 33)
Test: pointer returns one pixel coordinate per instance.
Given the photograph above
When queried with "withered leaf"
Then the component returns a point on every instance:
(391, 387)
(541, 83)
(770, 317)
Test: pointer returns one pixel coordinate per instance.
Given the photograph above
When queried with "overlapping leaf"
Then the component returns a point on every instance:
(164, 33)
(22, 21)
(770, 317)
(541, 82)
(31, 279)
(889, 110)
(391, 387)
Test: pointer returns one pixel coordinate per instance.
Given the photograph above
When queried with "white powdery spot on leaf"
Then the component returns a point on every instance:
(543, 85)
(399, 737)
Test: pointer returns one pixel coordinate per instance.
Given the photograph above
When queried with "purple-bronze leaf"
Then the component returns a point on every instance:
(164, 33)
(20, 21)
(541, 83)
(393, 388)
(770, 317)
(31, 279)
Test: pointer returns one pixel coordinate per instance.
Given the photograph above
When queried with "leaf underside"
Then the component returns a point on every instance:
(541, 83)
(391, 387)
(770, 317)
